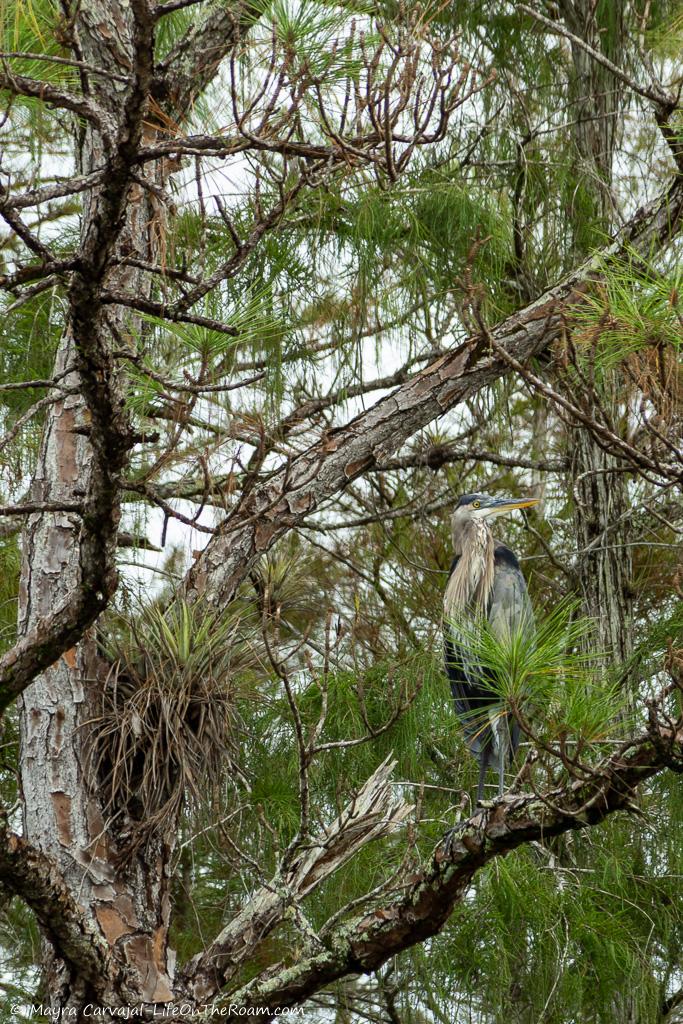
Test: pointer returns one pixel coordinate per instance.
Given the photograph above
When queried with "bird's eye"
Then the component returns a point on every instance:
(476, 504)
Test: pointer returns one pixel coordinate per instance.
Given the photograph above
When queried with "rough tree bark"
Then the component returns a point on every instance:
(106, 923)
(597, 482)
(63, 814)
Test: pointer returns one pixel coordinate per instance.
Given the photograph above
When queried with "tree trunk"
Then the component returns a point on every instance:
(599, 488)
(63, 812)
(604, 563)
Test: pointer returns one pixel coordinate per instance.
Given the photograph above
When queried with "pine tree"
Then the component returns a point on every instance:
(279, 282)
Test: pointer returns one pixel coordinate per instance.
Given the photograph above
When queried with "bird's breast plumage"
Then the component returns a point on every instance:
(471, 577)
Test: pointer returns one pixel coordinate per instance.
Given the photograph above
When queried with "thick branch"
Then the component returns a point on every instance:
(363, 944)
(32, 876)
(45, 193)
(192, 64)
(27, 508)
(367, 441)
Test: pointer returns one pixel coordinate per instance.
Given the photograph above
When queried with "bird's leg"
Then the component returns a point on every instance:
(503, 746)
(454, 833)
(483, 764)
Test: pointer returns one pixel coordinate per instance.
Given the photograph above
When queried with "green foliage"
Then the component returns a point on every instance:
(357, 279)
(562, 931)
(20, 945)
(28, 340)
(554, 671)
(634, 308)
(29, 26)
(9, 587)
(315, 37)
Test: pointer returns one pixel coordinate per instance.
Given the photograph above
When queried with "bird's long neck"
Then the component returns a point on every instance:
(471, 581)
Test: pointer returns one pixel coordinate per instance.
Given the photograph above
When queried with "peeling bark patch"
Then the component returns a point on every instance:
(66, 442)
(70, 657)
(263, 534)
(450, 394)
(58, 724)
(62, 804)
(124, 907)
(112, 924)
(352, 469)
(94, 818)
(103, 892)
(163, 992)
(300, 504)
(99, 849)
(151, 983)
(56, 557)
(34, 718)
(159, 947)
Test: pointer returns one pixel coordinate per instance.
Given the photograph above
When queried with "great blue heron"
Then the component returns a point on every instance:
(485, 581)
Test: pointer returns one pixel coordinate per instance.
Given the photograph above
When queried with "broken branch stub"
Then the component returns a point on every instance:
(375, 811)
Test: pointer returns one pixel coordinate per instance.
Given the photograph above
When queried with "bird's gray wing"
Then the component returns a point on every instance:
(509, 611)
(509, 608)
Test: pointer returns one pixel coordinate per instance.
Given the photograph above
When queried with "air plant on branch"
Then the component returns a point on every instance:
(169, 726)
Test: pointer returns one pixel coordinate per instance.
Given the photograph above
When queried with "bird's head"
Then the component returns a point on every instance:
(475, 507)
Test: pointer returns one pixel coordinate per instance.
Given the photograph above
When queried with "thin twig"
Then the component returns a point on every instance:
(655, 93)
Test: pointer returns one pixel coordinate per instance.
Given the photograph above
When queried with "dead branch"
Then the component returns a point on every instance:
(60, 189)
(65, 62)
(22, 231)
(438, 455)
(374, 812)
(364, 943)
(151, 494)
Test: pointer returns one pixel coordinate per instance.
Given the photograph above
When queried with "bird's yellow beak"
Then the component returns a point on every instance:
(499, 506)
(508, 506)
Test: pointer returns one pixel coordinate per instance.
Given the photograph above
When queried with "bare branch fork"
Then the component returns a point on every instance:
(376, 811)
